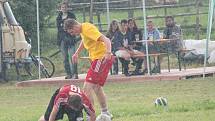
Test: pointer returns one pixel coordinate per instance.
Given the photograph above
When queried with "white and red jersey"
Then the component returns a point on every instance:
(68, 90)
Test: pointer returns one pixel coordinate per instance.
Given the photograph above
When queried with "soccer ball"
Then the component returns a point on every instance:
(161, 101)
(103, 117)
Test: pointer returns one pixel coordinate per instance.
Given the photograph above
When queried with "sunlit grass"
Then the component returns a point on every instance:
(188, 100)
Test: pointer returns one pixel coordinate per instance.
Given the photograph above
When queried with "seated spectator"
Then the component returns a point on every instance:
(122, 46)
(136, 35)
(174, 32)
(153, 34)
(114, 27)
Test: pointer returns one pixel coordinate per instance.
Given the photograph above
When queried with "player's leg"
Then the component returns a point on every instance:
(49, 109)
(88, 90)
(96, 78)
(98, 88)
(101, 97)
(91, 79)
(102, 100)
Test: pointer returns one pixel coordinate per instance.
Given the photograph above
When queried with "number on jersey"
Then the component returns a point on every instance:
(75, 89)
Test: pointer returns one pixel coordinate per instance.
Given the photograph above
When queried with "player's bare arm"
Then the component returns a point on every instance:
(75, 56)
(107, 43)
(92, 115)
(53, 114)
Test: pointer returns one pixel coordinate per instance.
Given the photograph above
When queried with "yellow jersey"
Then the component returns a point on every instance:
(90, 35)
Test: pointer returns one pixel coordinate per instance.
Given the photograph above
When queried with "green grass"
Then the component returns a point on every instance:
(188, 100)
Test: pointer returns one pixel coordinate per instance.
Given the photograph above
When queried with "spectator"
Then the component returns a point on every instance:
(173, 31)
(136, 35)
(153, 34)
(66, 42)
(122, 44)
(113, 29)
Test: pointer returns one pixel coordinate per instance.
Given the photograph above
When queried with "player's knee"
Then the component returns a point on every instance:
(87, 88)
(97, 88)
(88, 91)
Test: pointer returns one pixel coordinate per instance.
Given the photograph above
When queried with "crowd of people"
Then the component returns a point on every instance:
(127, 41)
(124, 35)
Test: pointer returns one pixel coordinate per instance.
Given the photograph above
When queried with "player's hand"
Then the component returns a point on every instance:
(75, 58)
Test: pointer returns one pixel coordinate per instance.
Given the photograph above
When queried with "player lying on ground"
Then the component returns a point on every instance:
(69, 100)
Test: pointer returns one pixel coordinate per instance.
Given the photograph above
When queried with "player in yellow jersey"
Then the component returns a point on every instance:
(99, 49)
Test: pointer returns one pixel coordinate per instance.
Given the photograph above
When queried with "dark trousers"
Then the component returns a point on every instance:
(67, 52)
(138, 63)
(125, 64)
(115, 66)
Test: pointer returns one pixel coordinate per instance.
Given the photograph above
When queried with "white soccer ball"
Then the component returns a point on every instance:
(161, 101)
(103, 117)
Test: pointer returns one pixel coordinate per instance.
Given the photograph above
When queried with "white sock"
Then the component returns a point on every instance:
(104, 111)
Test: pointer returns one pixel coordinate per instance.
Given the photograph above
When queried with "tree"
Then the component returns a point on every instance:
(25, 13)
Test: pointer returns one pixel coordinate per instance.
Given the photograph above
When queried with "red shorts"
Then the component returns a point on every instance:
(98, 72)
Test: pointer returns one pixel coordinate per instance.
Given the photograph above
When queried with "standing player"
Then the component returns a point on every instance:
(71, 100)
(99, 48)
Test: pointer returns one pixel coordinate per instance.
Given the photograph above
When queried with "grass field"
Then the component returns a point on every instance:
(189, 100)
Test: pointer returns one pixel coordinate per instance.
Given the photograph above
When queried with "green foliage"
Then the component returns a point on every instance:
(26, 14)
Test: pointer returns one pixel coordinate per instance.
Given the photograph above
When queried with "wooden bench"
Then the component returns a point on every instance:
(142, 56)
(153, 55)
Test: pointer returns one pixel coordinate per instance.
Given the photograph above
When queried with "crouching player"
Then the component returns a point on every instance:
(69, 100)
